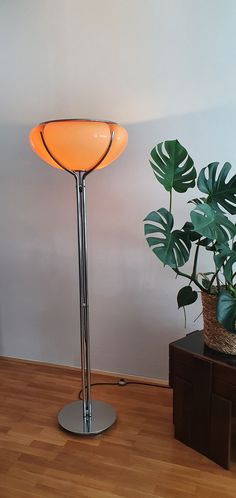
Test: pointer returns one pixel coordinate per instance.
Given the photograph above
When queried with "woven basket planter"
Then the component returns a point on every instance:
(215, 336)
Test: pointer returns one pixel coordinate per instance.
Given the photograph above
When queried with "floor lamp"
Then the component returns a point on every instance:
(79, 146)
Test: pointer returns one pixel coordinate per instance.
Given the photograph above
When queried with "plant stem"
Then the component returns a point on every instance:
(185, 320)
(190, 277)
(195, 262)
(218, 282)
(198, 316)
(170, 205)
(212, 280)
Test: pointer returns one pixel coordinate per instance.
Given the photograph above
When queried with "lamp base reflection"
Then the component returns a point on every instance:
(70, 418)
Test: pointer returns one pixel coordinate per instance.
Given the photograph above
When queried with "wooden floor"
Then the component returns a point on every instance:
(137, 458)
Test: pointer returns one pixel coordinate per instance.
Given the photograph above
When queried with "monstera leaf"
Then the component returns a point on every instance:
(188, 227)
(219, 192)
(223, 252)
(229, 268)
(212, 224)
(226, 311)
(171, 247)
(198, 201)
(226, 258)
(172, 166)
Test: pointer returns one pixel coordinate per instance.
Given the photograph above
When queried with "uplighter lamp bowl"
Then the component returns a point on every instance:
(78, 144)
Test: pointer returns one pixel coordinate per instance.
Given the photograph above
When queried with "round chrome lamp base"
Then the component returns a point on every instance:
(70, 417)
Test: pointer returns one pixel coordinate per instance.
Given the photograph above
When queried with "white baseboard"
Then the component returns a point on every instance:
(118, 375)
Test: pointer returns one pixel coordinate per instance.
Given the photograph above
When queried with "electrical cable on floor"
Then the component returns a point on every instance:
(122, 382)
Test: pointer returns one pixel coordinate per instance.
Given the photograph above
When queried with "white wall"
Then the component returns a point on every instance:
(163, 68)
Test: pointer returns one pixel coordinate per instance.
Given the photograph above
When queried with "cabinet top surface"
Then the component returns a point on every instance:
(194, 343)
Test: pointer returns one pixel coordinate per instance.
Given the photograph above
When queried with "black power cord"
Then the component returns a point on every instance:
(121, 383)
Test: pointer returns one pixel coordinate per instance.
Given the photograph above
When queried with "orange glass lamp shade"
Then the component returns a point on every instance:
(78, 144)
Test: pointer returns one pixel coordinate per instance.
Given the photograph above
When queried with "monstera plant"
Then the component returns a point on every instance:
(210, 227)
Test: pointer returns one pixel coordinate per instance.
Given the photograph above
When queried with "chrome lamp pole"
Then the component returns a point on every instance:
(85, 417)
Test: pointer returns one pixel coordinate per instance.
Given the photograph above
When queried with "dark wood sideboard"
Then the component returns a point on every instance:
(204, 397)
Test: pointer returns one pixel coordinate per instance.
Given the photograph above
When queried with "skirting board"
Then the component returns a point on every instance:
(134, 378)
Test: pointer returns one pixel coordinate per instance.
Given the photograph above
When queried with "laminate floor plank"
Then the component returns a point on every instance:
(136, 458)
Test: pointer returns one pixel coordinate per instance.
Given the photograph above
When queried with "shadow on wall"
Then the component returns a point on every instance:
(134, 314)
